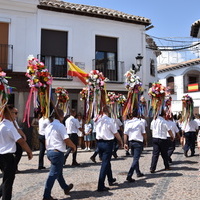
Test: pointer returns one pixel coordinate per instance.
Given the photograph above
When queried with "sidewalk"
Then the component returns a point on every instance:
(181, 183)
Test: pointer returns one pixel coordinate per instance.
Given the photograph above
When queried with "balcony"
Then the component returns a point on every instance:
(115, 73)
(6, 57)
(57, 66)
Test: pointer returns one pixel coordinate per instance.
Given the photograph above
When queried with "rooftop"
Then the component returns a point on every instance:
(92, 11)
(195, 28)
(164, 68)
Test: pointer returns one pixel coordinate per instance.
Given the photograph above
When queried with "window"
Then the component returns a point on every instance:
(54, 51)
(170, 84)
(191, 81)
(106, 57)
(152, 67)
(6, 50)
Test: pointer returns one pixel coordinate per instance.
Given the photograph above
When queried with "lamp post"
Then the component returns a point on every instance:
(138, 63)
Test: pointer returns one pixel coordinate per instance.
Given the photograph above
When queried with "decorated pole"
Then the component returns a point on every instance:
(40, 81)
(134, 87)
(157, 95)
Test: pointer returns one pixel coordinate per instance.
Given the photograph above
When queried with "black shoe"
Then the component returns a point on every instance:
(103, 189)
(140, 175)
(68, 189)
(152, 171)
(51, 198)
(115, 155)
(130, 180)
(75, 164)
(41, 168)
(112, 182)
(93, 159)
(185, 154)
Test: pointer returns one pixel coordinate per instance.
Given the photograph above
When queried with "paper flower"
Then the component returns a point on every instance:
(62, 95)
(133, 81)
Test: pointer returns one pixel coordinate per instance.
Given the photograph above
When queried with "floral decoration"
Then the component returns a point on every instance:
(62, 95)
(133, 81)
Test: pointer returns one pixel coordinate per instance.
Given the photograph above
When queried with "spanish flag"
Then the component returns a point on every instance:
(193, 87)
(76, 71)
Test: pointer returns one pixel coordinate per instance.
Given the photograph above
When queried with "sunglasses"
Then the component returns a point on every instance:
(15, 113)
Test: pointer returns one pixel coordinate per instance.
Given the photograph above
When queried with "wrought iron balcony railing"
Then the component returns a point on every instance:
(114, 72)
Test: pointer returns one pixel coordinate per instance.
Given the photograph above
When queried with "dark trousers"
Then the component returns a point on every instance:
(171, 147)
(136, 150)
(159, 146)
(42, 150)
(55, 173)
(105, 149)
(190, 138)
(8, 167)
(18, 154)
(74, 138)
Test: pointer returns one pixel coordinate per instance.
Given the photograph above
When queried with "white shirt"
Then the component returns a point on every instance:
(72, 125)
(43, 122)
(191, 126)
(80, 133)
(134, 128)
(87, 127)
(173, 127)
(197, 120)
(118, 123)
(55, 134)
(144, 122)
(8, 137)
(159, 128)
(105, 128)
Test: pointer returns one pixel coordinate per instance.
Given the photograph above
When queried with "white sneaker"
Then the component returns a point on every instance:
(88, 149)
(85, 149)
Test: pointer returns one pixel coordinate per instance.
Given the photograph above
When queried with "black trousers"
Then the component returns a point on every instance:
(18, 154)
(159, 146)
(8, 167)
(74, 138)
(42, 150)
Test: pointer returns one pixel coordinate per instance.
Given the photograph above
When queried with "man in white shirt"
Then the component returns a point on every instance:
(105, 133)
(190, 131)
(159, 127)
(72, 125)
(43, 122)
(8, 137)
(56, 140)
(135, 134)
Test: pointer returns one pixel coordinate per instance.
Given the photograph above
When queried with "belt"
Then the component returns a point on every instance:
(101, 140)
(135, 141)
(56, 150)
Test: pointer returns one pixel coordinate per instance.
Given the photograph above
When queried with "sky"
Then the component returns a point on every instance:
(170, 18)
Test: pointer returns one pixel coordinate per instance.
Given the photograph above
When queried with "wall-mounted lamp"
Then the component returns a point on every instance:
(138, 63)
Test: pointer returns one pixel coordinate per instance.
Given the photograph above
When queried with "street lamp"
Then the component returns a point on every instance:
(138, 63)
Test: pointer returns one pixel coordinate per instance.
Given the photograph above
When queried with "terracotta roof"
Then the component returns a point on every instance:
(195, 28)
(164, 68)
(92, 11)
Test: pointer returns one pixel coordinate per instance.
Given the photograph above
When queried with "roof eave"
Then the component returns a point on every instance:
(76, 12)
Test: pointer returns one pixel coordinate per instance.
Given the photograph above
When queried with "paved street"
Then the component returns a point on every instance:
(181, 183)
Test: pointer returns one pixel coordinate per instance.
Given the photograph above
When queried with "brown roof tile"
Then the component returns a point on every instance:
(93, 11)
(195, 28)
(164, 68)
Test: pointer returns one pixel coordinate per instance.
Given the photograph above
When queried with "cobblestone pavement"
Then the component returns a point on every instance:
(180, 183)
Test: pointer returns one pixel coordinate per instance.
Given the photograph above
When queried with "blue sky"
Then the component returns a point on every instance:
(171, 18)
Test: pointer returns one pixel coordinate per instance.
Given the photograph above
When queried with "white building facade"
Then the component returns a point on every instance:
(92, 37)
(182, 78)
